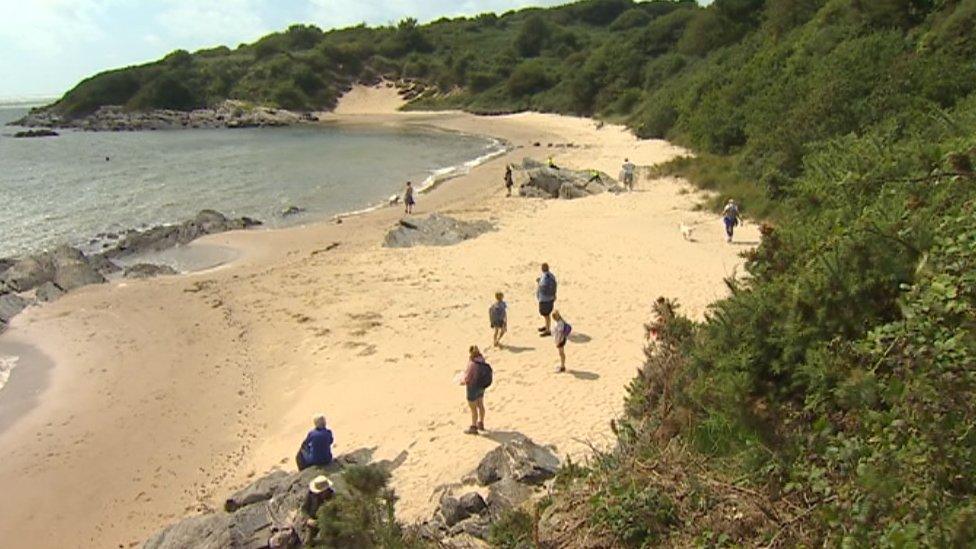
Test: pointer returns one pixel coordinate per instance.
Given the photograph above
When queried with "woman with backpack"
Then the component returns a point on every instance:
(561, 333)
(477, 378)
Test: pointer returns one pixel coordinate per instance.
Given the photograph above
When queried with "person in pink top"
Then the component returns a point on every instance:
(477, 377)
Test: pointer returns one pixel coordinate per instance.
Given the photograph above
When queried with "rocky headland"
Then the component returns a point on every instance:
(229, 114)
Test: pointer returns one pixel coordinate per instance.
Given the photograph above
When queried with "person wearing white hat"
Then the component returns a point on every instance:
(320, 490)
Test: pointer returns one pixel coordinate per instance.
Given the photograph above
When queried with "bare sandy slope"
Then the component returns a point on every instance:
(169, 393)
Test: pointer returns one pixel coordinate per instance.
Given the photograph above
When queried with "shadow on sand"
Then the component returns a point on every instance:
(502, 437)
(585, 376)
(516, 349)
(580, 338)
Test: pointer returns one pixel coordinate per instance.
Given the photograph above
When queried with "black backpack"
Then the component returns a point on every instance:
(484, 374)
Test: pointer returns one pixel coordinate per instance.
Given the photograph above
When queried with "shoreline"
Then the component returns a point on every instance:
(226, 367)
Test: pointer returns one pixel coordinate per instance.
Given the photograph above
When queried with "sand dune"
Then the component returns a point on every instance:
(169, 393)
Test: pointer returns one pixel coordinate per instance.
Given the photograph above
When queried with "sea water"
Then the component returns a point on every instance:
(70, 188)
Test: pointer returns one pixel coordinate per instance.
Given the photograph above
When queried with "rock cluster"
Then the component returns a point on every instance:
(434, 230)
(36, 133)
(537, 180)
(252, 515)
(47, 276)
(513, 474)
(229, 114)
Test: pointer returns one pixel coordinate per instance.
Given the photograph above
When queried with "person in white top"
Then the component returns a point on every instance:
(561, 335)
(628, 170)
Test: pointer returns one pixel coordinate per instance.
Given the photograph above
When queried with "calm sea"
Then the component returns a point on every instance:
(69, 188)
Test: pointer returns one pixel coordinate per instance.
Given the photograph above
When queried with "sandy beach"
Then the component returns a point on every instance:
(162, 396)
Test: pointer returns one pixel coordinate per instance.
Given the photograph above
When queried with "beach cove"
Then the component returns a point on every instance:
(167, 394)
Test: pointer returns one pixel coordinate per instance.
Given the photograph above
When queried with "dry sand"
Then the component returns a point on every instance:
(167, 394)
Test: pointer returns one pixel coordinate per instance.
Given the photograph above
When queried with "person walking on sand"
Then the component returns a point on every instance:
(316, 449)
(730, 216)
(545, 294)
(408, 200)
(561, 333)
(477, 378)
(509, 182)
(628, 170)
(498, 318)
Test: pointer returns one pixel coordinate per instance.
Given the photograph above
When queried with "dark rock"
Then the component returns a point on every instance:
(148, 270)
(36, 133)
(72, 275)
(256, 512)
(507, 494)
(29, 273)
(163, 237)
(292, 210)
(452, 511)
(6, 263)
(535, 179)
(476, 527)
(10, 306)
(263, 489)
(519, 459)
(435, 230)
(48, 292)
(473, 503)
(103, 265)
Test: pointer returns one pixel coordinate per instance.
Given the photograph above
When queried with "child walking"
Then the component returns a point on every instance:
(561, 334)
(408, 200)
(498, 318)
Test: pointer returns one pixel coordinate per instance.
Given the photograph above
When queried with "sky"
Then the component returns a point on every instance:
(48, 46)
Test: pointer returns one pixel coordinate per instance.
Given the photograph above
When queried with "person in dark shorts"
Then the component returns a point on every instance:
(475, 390)
(408, 200)
(509, 182)
(498, 318)
(545, 294)
(730, 216)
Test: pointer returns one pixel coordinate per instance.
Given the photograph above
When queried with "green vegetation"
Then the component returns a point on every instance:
(830, 399)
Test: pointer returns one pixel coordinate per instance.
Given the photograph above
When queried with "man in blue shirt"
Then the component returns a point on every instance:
(545, 293)
(317, 447)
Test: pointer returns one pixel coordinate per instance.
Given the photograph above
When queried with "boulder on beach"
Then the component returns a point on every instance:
(256, 512)
(29, 273)
(537, 180)
(292, 210)
(35, 133)
(10, 306)
(434, 230)
(148, 270)
(513, 472)
(48, 292)
(162, 237)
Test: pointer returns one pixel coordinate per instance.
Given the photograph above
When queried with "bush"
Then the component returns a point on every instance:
(529, 77)
(361, 516)
(513, 530)
(533, 36)
(630, 19)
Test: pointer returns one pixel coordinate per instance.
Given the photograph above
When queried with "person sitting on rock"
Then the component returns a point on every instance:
(320, 490)
(317, 447)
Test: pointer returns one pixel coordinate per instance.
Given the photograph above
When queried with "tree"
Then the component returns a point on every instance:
(533, 36)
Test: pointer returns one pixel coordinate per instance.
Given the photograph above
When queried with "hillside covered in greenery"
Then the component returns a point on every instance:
(831, 400)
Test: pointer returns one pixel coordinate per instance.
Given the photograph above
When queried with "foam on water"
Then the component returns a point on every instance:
(7, 364)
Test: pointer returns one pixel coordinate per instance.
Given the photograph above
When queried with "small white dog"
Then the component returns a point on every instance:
(394, 199)
(687, 231)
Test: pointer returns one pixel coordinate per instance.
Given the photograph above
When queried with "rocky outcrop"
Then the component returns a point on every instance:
(519, 459)
(258, 511)
(537, 180)
(148, 270)
(35, 133)
(434, 230)
(48, 292)
(162, 237)
(10, 306)
(229, 114)
(513, 471)
(66, 267)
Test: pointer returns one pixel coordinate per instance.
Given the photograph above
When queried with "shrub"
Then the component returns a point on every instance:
(513, 530)
(528, 78)
(533, 36)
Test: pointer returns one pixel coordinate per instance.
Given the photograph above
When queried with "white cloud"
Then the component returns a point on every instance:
(48, 27)
(195, 23)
